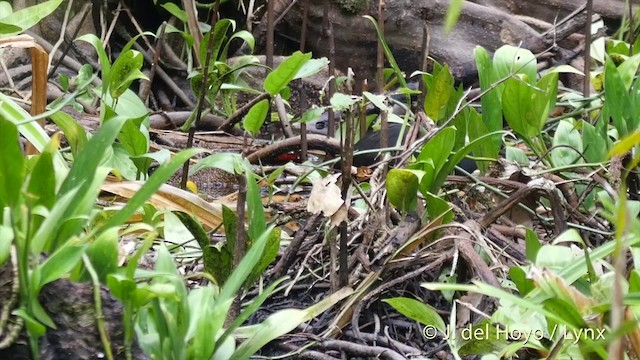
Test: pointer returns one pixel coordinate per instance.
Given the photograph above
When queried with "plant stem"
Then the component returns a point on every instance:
(104, 336)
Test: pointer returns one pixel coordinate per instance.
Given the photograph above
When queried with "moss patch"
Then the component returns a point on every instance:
(353, 6)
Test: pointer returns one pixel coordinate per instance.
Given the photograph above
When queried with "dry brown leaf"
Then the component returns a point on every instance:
(172, 198)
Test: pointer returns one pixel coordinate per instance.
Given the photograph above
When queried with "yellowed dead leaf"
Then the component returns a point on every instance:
(172, 198)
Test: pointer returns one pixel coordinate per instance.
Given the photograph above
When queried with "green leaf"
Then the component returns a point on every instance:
(124, 71)
(516, 101)
(402, 188)
(312, 114)
(437, 207)
(279, 78)
(453, 13)
(229, 162)
(72, 130)
(12, 169)
(245, 267)
(618, 100)
(567, 144)
(418, 311)
(219, 37)
(6, 239)
(340, 101)
(176, 11)
(565, 310)
(268, 255)
(245, 36)
(61, 262)
(311, 67)
(30, 16)
(387, 52)
(509, 60)
(159, 177)
(282, 322)
(519, 278)
(533, 244)
(33, 326)
(42, 180)
(437, 98)
(103, 254)
(255, 211)
(105, 65)
(492, 99)
(256, 117)
(544, 100)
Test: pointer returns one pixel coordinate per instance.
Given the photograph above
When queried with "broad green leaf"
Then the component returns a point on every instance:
(628, 70)
(437, 98)
(256, 117)
(402, 189)
(567, 144)
(517, 105)
(85, 165)
(30, 16)
(376, 100)
(7, 29)
(279, 78)
(418, 311)
(340, 101)
(544, 100)
(509, 60)
(312, 114)
(219, 36)
(519, 278)
(312, 67)
(243, 35)
(124, 71)
(437, 207)
(595, 147)
(201, 330)
(103, 254)
(105, 65)
(228, 162)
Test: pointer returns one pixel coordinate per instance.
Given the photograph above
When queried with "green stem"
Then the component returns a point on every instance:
(104, 336)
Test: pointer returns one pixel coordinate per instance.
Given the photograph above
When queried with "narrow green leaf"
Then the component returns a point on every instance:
(159, 177)
(453, 13)
(61, 262)
(12, 170)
